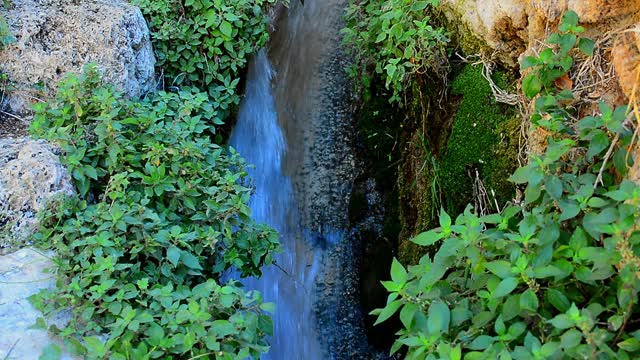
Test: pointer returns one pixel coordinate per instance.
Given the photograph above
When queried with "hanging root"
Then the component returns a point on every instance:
(484, 203)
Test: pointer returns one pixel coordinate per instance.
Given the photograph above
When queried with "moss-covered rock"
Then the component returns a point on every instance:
(484, 138)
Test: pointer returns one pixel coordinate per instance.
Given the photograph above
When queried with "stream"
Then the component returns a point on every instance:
(295, 124)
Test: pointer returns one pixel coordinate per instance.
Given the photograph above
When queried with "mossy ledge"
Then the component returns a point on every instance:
(443, 143)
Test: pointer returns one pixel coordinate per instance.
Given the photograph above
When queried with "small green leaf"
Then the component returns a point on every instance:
(445, 219)
(51, 352)
(173, 254)
(587, 46)
(630, 345)
(531, 86)
(562, 321)
(529, 301)
(398, 273)
(427, 238)
(388, 311)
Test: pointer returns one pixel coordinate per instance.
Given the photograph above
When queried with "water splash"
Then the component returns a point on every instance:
(259, 138)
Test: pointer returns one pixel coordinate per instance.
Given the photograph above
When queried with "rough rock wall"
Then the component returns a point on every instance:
(30, 175)
(504, 29)
(54, 37)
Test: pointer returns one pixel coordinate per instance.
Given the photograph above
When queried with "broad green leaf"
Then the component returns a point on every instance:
(562, 321)
(407, 313)
(531, 86)
(388, 311)
(553, 186)
(398, 273)
(558, 300)
(173, 255)
(500, 268)
(427, 238)
(190, 260)
(222, 328)
(587, 46)
(529, 61)
(630, 345)
(439, 317)
(445, 219)
(226, 29)
(482, 342)
(505, 287)
(570, 339)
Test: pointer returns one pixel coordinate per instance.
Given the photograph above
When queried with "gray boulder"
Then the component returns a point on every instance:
(54, 37)
(31, 175)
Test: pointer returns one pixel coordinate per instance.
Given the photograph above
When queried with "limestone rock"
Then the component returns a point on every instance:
(23, 274)
(504, 29)
(626, 60)
(59, 36)
(30, 175)
(498, 26)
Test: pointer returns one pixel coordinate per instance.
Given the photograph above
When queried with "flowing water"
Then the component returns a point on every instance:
(295, 125)
(258, 137)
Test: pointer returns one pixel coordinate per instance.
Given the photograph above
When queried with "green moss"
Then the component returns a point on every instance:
(484, 137)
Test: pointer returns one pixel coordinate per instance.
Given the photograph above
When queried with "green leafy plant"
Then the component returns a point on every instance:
(394, 38)
(160, 215)
(206, 43)
(556, 277)
(556, 59)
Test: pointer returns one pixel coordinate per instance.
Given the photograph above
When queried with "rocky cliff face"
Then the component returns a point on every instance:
(54, 37)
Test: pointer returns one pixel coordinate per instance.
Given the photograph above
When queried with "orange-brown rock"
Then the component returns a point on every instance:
(626, 60)
(594, 11)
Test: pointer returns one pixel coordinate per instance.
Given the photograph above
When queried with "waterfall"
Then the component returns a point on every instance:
(258, 137)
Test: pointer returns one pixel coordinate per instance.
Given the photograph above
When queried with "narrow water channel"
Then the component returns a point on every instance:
(296, 126)
(289, 284)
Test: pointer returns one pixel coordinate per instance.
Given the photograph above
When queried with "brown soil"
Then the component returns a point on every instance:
(12, 127)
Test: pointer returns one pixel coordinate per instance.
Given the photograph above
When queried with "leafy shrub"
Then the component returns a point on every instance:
(554, 278)
(206, 43)
(395, 38)
(161, 213)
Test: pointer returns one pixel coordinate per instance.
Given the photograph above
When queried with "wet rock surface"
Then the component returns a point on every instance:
(54, 37)
(23, 274)
(31, 175)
